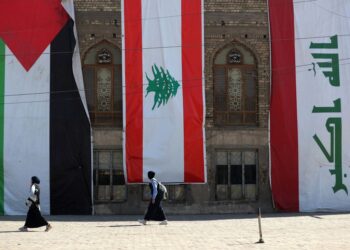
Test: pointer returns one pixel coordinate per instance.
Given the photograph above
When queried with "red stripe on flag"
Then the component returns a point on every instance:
(133, 90)
(283, 119)
(192, 90)
(29, 26)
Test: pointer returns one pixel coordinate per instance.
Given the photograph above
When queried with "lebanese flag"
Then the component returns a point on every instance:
(44, 124)
(309, 120)
(164, 103)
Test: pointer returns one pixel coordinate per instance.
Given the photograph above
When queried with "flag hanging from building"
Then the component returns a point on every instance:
(163, 90)
(309, 122)
(44, 124)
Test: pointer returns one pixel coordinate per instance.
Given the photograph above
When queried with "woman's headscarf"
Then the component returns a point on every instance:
(151, 174)
(35, 180)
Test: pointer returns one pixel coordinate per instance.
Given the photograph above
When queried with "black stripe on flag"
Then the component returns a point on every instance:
(70, 141)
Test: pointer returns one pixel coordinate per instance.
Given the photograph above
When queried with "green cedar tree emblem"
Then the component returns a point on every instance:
(163, 85)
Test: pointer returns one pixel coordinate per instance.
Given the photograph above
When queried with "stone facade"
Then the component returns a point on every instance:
(227, 22)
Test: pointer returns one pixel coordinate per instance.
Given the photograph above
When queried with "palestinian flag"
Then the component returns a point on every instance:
(310, 138)
(164, 90)
(44, 124)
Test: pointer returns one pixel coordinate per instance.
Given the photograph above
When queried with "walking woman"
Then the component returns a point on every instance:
(155, 211)
(34, 218)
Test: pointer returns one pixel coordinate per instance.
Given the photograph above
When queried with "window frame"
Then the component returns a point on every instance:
(96, 185)
(114, 117)
(243, 68)
(228, 152)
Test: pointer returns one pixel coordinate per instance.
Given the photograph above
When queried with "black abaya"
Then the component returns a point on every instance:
(34, 218)
(155, 211)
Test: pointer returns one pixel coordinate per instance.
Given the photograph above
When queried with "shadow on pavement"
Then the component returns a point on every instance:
(4, 232)
(122, 226)
(186, 217)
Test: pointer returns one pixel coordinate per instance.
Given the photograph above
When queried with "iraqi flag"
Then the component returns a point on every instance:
(163, 90)
(44, 124)
(310, 121)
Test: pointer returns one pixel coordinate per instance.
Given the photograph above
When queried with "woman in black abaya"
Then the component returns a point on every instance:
(34, 218)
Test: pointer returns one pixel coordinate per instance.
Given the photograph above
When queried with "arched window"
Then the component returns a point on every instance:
(235, 87)
(103, 84)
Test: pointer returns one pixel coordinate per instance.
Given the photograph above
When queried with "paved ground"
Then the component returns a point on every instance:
(280, 231)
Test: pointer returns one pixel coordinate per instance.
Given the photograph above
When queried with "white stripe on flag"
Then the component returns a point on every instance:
(163, 142)
(78, 73)
(26, 131)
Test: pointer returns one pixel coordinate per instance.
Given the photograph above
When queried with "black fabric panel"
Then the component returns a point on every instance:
(70, 146)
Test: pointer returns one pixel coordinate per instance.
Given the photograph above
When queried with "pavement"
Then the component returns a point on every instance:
(230, 231)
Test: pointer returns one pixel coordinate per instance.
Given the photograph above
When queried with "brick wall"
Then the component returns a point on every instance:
(97, 5)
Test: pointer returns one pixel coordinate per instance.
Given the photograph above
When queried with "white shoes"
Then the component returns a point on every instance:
(48, 228)
(23, 229)
(164, 222)
(143, 222)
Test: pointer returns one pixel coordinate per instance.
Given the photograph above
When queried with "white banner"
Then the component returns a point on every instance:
(322, 44)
